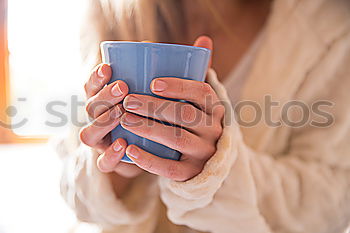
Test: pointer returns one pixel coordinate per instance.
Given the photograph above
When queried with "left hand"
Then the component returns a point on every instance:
(200, 124)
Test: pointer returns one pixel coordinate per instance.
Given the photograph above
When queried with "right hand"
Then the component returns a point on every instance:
(104, 107)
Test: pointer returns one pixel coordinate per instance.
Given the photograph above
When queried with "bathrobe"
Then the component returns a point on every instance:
(282, 169)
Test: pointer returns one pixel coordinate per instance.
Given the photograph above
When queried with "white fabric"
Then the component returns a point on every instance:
(262, 178)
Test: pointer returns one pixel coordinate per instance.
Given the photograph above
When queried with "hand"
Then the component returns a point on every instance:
(199, 124)
(103, 106)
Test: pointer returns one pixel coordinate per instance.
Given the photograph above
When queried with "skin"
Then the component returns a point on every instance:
(245, 19)
(200, 121)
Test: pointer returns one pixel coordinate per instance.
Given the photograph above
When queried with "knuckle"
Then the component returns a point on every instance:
(172, 171)
(196, 171)
(210, 151)
(86, 138)
(93, 74)
(94, 106)
(83, 136)
(94, 71)
(88, 107)
(188, 113)
(217, 131)
(147, 164)
(182, 141)
(109, 158)
(189, 173)
(86, 87)
(206, 89)
(219, 110)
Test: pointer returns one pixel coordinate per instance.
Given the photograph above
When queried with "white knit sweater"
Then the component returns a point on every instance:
(261, 178)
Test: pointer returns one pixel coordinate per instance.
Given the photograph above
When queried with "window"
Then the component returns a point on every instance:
(40, 67)
(3, 72)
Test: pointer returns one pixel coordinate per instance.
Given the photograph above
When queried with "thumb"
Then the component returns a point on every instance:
(205, 42)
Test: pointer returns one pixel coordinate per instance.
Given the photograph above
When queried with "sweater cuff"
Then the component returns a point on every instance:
(90, 193)
(203, 186)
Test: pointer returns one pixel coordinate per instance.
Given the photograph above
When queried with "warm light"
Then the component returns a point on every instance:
(44, 60)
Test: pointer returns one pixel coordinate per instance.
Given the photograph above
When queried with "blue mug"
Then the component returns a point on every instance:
(138, 63)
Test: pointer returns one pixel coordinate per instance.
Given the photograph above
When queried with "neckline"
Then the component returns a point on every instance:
(245, 60)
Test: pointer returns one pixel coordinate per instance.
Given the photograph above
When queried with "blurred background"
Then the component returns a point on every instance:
(40, 81)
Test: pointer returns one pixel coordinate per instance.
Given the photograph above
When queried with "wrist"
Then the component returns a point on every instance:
(120, 184)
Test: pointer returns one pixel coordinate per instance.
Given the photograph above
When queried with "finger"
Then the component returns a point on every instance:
(93, 133)
(106, 98)
(205, 42)
(102, 145)
(199, 93)
(170, 136)
(108, 161)
(178, 113)
(175, 170)
(99, 77)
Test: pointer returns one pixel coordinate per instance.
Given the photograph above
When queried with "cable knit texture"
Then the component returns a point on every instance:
(264, 178)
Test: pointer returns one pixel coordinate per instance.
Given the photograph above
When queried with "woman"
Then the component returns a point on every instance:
(281, 170)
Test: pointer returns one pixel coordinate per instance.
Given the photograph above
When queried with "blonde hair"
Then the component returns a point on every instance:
(133, 20)
(137, 20)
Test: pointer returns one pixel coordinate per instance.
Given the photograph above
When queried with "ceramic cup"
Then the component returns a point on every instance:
(138, 63)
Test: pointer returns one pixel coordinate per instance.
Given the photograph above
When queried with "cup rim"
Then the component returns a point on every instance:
(104, 43)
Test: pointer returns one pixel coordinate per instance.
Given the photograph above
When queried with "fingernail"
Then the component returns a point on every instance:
(117, 147)
(132, 103)
(133, 152)
(116, 91)
(100, 72)
(159, 85)
(116, 113)
(130, 120)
